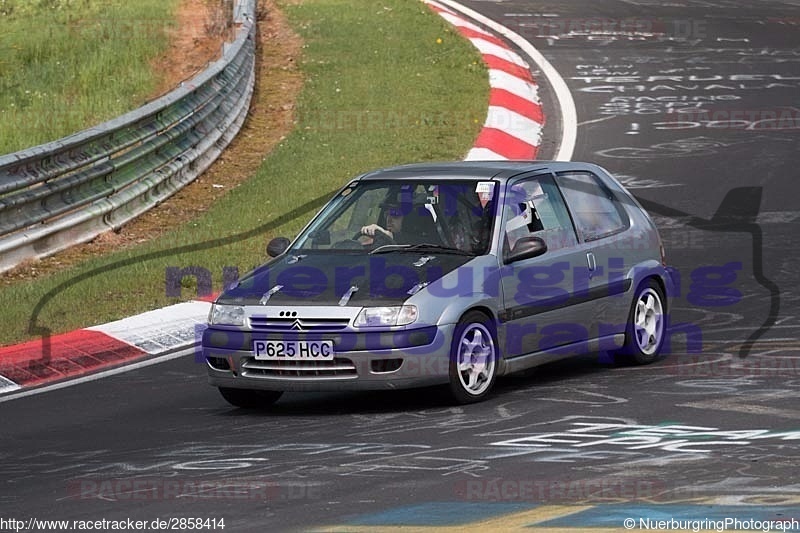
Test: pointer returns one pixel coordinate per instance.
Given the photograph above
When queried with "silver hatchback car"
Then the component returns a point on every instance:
(452, 274)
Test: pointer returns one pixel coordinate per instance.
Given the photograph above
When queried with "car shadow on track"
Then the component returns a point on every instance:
(428, 398)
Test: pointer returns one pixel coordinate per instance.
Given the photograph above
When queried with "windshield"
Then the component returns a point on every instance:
(454, 215)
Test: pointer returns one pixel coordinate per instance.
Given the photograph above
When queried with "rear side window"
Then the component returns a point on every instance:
(534, 207)
(594, 209)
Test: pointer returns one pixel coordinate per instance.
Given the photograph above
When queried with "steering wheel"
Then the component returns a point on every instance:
(378, 239)
(354, 243)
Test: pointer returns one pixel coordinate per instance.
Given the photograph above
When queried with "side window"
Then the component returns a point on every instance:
(355, 209)
(596, 212)
(466, 220)
(359, 213)
(535, 207)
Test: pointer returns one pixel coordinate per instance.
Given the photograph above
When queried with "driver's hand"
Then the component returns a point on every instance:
(372, 228)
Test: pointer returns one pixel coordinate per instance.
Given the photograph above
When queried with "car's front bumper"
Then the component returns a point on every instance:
(362, 361)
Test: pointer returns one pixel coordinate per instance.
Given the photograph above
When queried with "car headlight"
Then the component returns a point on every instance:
(400, 315)
(227, 315)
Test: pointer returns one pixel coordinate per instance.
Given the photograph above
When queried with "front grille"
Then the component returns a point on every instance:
(385, 366)
(218, 363)
(262, 323)
(339, 368)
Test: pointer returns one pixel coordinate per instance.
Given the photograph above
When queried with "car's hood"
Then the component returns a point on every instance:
(342, 279)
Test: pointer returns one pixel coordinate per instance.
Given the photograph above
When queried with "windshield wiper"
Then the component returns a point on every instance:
(422, 247)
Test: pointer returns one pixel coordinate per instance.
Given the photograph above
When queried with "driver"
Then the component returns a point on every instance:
(394, 223)
(407, 220)
(394, 211)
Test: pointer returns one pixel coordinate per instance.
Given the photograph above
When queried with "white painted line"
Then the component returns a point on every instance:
(721, 359)
(6, 385)
(462, 23)
(484, 154)
(490, 49)
(569, 116)
(97, 376)
(596, 120)
(499, 79)
(436, 4)
(514, 124)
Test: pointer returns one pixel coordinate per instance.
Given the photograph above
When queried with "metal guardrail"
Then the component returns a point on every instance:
(70, 190)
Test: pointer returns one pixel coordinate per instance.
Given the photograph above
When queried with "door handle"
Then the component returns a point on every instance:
(591, 262)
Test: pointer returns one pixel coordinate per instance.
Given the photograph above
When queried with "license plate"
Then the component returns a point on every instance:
(293, 350)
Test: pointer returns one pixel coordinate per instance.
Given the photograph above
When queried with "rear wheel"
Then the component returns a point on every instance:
(248, 398)
(473, 358)
(645, 331)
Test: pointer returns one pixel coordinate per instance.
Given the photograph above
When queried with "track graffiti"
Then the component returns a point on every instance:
(613, 437)
(690, 146)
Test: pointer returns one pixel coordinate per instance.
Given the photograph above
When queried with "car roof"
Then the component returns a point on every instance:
(460, 170)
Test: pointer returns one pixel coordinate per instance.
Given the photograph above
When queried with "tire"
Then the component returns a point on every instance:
(646, 327)
(473, 359)
(249, 399)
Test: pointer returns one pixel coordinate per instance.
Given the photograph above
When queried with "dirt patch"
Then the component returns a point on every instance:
(278, 82)
(201, 26)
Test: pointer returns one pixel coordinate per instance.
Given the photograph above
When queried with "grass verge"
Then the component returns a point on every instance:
(386, 82)
(59, 57)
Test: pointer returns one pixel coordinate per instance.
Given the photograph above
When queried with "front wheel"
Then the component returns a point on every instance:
(249, 399)
(646, 328)
(473, 358)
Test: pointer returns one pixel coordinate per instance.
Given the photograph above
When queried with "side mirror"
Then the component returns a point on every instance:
(277, 246)
(526, 248)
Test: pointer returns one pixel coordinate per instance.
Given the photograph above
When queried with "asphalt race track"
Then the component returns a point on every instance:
(694, 105)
